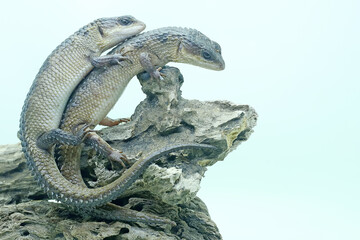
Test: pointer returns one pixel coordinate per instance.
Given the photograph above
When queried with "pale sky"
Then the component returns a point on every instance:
(296, 62)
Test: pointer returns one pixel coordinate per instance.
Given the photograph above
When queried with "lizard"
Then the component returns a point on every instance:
(99, 91)
(61, 72)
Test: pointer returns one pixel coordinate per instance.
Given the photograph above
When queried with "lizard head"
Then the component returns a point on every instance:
(197, 49)
(115, 30)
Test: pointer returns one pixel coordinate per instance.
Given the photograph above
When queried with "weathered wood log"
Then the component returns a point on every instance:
(167, 188)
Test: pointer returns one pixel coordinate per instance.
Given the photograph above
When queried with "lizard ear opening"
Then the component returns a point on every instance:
(180, 47)
(101, 31)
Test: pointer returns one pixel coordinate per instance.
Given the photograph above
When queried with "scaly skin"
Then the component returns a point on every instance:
(62, 71)
(98, 93)
(113, 212)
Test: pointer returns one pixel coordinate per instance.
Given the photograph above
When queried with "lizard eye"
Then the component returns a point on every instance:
(206, 55)
(125, 21)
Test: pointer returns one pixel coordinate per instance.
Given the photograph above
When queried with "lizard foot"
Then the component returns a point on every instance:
(118, 156)
(157, 74)
(113, 122)
(146, 62)
(104, 149)
(83, 131)
(115, 59)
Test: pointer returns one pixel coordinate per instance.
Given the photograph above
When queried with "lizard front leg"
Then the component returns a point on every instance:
(145, 61)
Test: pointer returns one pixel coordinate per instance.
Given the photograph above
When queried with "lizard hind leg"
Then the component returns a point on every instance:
(58, 136)
(104, 149)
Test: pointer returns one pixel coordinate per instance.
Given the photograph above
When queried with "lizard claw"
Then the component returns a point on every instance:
(113, 122)
(83, 131)
(118, 156)
(120, 60)
(121, 120)
(162, 75)
(115, 59)
(157, 74)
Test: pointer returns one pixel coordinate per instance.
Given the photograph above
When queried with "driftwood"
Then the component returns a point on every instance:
(167, 188)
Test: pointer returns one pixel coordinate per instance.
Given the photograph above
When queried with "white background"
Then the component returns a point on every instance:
(296, 62)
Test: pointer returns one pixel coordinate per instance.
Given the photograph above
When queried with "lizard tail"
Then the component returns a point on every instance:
(58, 187)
